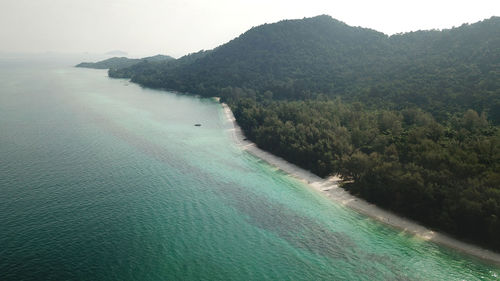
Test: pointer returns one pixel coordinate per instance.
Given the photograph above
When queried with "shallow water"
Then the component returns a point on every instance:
(101, 179)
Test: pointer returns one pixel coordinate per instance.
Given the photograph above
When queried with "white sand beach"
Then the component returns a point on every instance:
(329, 188)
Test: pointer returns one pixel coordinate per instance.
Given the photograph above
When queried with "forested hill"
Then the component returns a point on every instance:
(409, 121)
(297, 59)
(122, 62)
(287, 58)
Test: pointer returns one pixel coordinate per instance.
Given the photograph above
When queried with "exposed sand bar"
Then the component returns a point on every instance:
(329, 188)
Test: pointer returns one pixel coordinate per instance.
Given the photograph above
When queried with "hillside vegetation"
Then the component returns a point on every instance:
(409, 121)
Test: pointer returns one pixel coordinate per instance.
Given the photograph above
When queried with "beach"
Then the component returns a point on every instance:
(329, 187)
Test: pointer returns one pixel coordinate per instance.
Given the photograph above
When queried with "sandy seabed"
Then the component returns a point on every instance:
(329, 187)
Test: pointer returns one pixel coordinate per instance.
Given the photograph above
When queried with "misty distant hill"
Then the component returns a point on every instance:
(122, 62)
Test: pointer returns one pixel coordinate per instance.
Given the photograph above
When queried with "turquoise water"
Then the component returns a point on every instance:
(101, 179)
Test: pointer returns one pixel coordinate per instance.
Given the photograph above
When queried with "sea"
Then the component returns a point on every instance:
(101, 179)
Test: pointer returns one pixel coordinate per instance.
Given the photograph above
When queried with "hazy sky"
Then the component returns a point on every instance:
(175, 27)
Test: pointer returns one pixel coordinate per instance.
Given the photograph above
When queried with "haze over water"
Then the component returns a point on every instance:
(101, 179)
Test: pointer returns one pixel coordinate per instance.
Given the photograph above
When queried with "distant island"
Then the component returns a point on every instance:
(410, 122)
(123, 62)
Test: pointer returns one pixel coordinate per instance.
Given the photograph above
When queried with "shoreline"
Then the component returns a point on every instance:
(329, 188)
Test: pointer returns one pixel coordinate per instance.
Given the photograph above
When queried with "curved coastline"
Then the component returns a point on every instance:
(329, 187)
